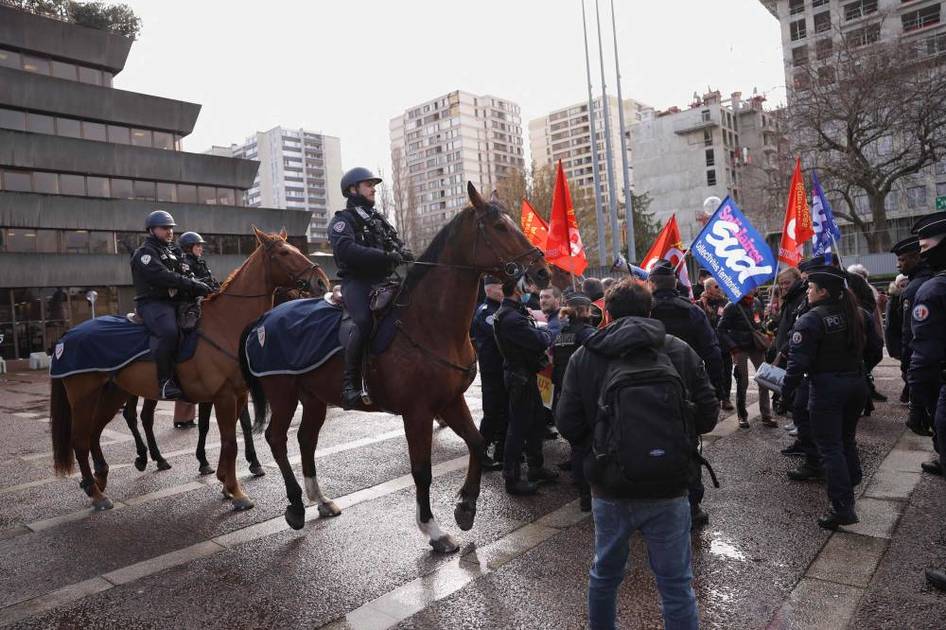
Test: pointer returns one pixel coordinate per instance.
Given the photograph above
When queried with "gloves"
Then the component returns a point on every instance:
(199, 289)
(395, 258)
(407, 255)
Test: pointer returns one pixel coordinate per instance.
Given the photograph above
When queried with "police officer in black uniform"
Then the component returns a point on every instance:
(523, 344)
(192, 244)
(495, 399)
(161, 282)
(830, 343)
(367, 250)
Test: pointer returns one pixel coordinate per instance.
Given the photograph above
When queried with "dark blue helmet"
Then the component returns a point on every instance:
(159, 218)
(189, 239)
(355, 175)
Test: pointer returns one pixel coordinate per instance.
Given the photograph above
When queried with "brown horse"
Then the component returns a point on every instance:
(425, 371)
(82, 404)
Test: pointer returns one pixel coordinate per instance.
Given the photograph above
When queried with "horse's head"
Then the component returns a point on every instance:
(288, 267)
(500, 248)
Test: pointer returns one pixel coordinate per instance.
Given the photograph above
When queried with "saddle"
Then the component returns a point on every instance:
(188, 316)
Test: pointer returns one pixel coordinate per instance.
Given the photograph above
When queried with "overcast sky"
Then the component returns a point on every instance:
(346, 68)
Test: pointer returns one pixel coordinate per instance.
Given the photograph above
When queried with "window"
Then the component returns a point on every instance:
(934, 45)
(916, 197)
(705, 115)
(710, 158)
(921, 18)
(38, 123)
(207, 195)
(163, 140)
(800, 56)
(119, 135)
(823, 22)
(76, 242)
(64, 70)
(10, 59)
(122, 189)
(17, 181)
(20, 240)
(819, 3)
(859, 8)
(186, 193)
(866, 35)
(941, 189)
(47, 241)
(141, 137)
(797, 30)
(35, 64)
(143, 190)
(97, 186)
(45, 183)
(101, 242)
(711, 178)
(12, 119)
(827, 75)
(68, 127)
(707, 138)
(71, 185)
(796, 6)
(225, 196)
(823, 48)
(167, 192)
(90, 75)
(93, 131)
(128, 242)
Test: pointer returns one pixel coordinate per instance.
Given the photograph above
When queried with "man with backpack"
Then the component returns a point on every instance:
(638, 398)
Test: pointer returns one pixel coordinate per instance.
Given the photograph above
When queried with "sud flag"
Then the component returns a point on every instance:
(733, 252)
(534, 226)
(797, 226)
(826, 230)
(668, 246)
(563, 247)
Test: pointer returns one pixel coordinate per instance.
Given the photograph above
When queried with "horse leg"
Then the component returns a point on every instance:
(147, 421)
(419, 430)
(225, 406)
(282, 407)
(82, 429)
(313, 417)
(256, 469)
(130, 413)
(203, 427)
(110, 401)
(457, 415)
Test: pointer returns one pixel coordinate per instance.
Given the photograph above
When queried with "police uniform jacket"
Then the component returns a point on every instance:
(481, 330)
(361, 240)
(918, 277)
(819, 344)
(522, 343)
(158, 271)
(794, 305)
(928, 358)
(687, 321)
(197, 265)
(893, 328)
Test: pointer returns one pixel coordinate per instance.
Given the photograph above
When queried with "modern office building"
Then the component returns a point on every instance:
(299, 170)
(439, 145)
(81, 166)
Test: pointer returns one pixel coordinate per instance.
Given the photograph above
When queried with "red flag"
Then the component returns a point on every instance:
(797, 227)
(563, 247)
(534, 226)
(668, 246)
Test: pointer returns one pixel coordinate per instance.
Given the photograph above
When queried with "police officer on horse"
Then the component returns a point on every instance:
(192, 245)
(367, 250)
(161, 281)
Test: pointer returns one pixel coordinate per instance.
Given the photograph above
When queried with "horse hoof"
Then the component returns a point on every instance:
(464, 516)
(329, 508)
(163, 464)
(445, 544)
(295, 517)
(103, 504)
(257, 470)
(226, 494)
(205, 469)
(141, 463)
(242, 505)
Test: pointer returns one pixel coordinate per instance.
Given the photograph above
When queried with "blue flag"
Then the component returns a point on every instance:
(822, 219)
(733, 251)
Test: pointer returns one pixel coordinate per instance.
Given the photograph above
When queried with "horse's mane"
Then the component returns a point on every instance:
(230, 278)
(437, 245)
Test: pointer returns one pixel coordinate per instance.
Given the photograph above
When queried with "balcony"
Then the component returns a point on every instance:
(695, 124)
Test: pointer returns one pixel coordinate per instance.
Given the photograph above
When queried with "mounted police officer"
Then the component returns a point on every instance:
(495, 399)
(161, 281)
(367, 250)
(192, 244)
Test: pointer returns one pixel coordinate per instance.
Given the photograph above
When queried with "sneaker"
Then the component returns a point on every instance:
(793, 432)
(185, 424)
(932, 467)
(794, 450)
(806, 472)
(769, 422)
(832, 520)
(743, 423)
(789, 427)
(726, 405)
(542, 475)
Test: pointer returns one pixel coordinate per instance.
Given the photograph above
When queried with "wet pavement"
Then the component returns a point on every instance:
(174, 555)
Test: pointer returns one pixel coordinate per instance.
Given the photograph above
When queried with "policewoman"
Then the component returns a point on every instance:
(829, 343)
(192, 244)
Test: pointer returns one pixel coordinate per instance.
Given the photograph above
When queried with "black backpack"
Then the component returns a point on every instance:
(645, 444)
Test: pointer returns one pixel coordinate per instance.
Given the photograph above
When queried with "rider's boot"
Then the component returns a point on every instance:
(168, 389)
(351, 385)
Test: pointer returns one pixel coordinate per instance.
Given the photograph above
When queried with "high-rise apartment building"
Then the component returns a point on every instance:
(299, 170)
(565, 134)
(439, 145)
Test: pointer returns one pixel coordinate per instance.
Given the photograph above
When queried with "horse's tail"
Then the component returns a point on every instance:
(60, 418)
(253, 383)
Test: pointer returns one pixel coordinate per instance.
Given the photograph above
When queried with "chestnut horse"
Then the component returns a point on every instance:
(422, 375)
(82, 404)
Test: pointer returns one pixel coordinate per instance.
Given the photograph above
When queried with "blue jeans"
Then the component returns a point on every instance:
(665, 526)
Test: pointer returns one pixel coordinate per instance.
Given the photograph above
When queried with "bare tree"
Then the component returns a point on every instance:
(867, 114)
(404, 199)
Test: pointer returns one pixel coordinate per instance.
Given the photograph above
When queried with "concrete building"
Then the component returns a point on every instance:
(713, 148)
(299, 170)
(565, 134)
(439, 145)
(81, 165)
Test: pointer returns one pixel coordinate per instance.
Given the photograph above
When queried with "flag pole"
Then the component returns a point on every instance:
(595, 170)
(609, 156)
(698, 235)
(625, 168)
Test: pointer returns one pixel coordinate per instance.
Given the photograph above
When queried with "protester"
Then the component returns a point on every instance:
(713, 301)
(740, 333)
(653, 500)
(593, 288)
(550, 301)
(492, 387)
(792, 289)
(702, 276)
(893, 318)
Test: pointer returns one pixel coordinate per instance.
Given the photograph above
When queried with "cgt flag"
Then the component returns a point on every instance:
(668, 246)
(733, 251)
(534, 226)
(826, 230)
(563, 247)
(797, 227)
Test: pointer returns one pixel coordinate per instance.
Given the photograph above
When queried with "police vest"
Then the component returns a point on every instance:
(674, 313)
(835, 354)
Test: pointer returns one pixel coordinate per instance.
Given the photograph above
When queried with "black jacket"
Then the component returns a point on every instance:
(689, 322)
(792, 308)
(918, 278)
(362, 243)
(735, 333)
(522, 343)
(577, 409)
(481, 330)
(158, 272)
(199, 269)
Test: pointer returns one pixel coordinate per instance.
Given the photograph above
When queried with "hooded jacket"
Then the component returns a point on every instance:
(577, 409)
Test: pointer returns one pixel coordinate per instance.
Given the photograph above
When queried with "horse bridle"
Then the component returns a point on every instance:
(302, 279)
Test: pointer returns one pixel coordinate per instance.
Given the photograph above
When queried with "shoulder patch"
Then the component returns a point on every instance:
(490, 319)
(339, 226)
(796, 337)
(145, 259)
(920, 312)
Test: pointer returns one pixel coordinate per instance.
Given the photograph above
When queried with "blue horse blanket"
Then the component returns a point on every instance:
(107, 344)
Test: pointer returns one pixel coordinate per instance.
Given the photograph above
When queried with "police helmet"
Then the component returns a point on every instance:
(189, 239)
(159, 218)
(356, 175)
